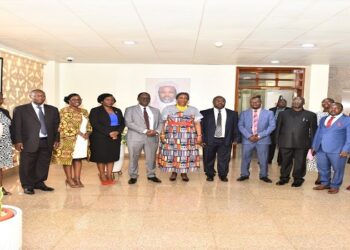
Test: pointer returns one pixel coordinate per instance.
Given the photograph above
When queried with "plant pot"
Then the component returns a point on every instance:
(11, 229)
(117, 167)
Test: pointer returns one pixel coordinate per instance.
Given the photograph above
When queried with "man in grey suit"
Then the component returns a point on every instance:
(35, 132)
(144, 125)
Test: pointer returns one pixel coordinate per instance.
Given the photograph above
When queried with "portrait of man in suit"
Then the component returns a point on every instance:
(332, 146)
(256, 124)
(144, 126)
(219, 132)
(295, 131)
(35, 128)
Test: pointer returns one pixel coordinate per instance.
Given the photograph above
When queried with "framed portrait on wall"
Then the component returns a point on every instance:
(1, 63)
(164, 90)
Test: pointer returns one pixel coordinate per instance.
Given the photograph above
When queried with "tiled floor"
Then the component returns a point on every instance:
(179, 215)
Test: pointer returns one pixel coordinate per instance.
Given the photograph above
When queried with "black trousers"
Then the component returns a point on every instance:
(34, 166)
(272, 149)
(220, 152)
(296, 155)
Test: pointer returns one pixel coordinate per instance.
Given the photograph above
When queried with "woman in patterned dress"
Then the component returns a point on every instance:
(6, 160)
(178, 151)
(74, 133)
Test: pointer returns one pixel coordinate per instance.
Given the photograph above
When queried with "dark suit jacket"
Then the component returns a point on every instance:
(26, 126)
(100, 121)
(296, 129)
(273, 135)
(208, 126)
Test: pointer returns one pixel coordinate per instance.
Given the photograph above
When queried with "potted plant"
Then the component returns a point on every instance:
(10, 226)
(117, 167)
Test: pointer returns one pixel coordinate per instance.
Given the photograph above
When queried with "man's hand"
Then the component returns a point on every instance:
(151, 133)
(254, 138)
(56, 144)
(19, 146)
(344, 154)
(114, 135)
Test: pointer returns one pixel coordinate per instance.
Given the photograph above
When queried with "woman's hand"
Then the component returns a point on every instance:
(199, 140)
(114, 135)
(162, 138)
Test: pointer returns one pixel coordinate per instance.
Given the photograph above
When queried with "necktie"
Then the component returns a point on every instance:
(255, 122)
(42, 121)
(218, 130)
(329, 123)
(145, 116)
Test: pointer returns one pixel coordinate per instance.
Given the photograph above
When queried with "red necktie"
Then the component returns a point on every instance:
(145, 115)
(329, 123)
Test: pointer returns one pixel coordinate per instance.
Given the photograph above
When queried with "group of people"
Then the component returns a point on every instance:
(43, 134)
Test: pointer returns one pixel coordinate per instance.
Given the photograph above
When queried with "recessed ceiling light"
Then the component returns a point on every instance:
(308, 45)
(130, 42)
(275, 61)
(218, 44)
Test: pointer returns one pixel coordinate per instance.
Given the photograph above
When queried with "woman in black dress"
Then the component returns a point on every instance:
(107, 126)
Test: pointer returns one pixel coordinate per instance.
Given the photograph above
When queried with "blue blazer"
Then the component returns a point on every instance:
(335, 139)
(266, 125)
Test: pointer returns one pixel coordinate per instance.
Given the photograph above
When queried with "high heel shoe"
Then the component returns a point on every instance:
(104, 182)
(78, 182)
(72, 185)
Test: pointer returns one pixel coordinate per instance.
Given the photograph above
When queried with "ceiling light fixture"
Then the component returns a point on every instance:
(308, 45)
(218, 44)
(130, 42)
(275, 61)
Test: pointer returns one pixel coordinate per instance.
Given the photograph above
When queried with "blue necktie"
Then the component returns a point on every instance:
(42, 121)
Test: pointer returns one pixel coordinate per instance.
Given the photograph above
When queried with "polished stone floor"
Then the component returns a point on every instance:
(179, 215)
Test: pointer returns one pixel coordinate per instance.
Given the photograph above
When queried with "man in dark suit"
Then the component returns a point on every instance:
(280, 107)
(35, 127)
(219, 131)
(332, 145)
(295, 131)
(255, 124)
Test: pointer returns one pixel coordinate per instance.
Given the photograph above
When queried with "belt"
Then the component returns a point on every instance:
(43, 138)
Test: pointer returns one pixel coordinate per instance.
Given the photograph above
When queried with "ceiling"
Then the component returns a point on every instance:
(253, 32)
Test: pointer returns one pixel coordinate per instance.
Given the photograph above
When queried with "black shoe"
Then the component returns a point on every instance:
(132, 181)
(28, 191)
(243, 178)
(281, 183)
(154, 179)
(223, 178)
(266, 179)
(297, 183)
(210, 178)
(317, 182)
(43, 187)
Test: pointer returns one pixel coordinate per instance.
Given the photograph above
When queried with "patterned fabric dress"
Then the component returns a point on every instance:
(179, 153)
(5, 142)
(71, 142)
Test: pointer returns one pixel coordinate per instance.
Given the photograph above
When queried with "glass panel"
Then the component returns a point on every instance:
(247, 83)
(286, 83)
(267, 75)
(267, 83)
(286, 76)
(269, 97)
(247, 76)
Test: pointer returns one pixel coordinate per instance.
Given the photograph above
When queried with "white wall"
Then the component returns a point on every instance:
(316, 87)
(125, 81)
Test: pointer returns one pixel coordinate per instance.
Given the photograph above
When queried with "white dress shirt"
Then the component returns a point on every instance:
(150, 117)
(334, 120)
(223, 119)
(35, 107)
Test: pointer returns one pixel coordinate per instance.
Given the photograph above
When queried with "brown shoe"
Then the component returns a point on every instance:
(184, 177)
(321, 187)
(348, 188)
(333, 191)
(173, 176)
